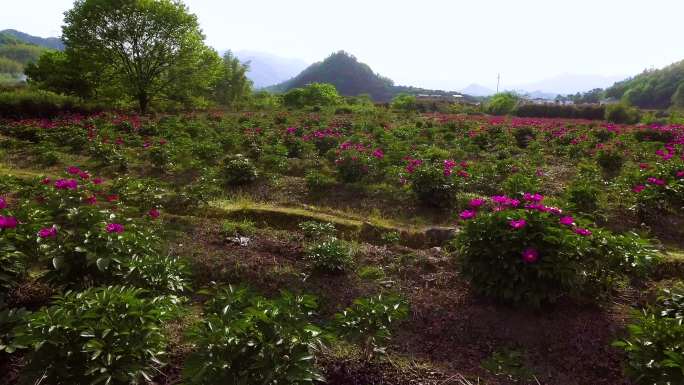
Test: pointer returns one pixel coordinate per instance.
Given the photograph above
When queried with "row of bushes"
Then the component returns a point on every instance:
(591, 112)
(29, 103)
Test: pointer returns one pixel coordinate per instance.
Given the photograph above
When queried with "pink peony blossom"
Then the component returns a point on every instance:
(73, 170)
(112, 198)
(644, 166)
(378, 153)
(153, 213)
(114, 228)
(467, 214)
(638, 188)
(680, 174)
(517, 223)
(48, 232)
(3, 203)
(656, 181)
(530, 255)
(476, 202)
(91, 200)
(8, 222)
(533, 197)
(582, 232)
(45, 181)
(567, 221)
(66, 184)
(98, 181)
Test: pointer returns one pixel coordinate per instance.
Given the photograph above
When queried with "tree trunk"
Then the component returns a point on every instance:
(143, 102)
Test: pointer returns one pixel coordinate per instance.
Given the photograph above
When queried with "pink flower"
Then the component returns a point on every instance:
(112, 198)
(114, 228)
(644, 166)
(378, 153)
(517, 223)
(567, 221)
(66, 184)
(48, 232)
(98, 181)
(462, 173)
(73, 170)
(45, 181)
(3, 203)
(84, 175)
(467, 214)
(146, 145)
(533, 197)
(656, 181)
(680, 174)
(91, 200)
(530, 255)
(638, 188)
(477, 202)
(153, 213)
(582, 232)
(291, 130)
(8, 222)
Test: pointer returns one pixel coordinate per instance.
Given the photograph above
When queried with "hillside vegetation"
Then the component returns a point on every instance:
(657, 89)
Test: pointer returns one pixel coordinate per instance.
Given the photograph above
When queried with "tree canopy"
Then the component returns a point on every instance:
(143, 46)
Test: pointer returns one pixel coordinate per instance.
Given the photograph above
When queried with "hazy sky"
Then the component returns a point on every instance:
(431, 43)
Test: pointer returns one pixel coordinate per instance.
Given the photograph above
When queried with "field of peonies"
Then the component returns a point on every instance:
(297, 247)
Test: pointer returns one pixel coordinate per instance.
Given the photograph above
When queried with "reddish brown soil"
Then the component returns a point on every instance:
(449, 326)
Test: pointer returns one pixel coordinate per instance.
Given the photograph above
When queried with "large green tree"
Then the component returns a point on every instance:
(232, 85)
(143, 44)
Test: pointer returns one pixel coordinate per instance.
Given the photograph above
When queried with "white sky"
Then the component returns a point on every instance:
(444, 44)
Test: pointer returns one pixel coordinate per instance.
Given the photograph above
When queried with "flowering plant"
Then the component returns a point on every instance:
(523, 251)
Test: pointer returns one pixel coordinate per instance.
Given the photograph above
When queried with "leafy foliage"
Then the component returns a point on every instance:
(106, 335)
(248, 339)
(654, 346)
(238, 170)
(330, 255)
(368, 322)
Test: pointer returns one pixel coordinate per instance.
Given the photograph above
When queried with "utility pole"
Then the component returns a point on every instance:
(498, 78)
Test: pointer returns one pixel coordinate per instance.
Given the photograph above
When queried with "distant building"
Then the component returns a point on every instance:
(610, 100)
(439, 97)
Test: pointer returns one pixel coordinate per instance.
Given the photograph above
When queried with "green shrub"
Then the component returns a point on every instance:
(317, 230)
(10, 319)
(538, 255)
(239, 170)
(611, 161)
(247, 339)
(158, 273)
(517, 184)
(107, 335)
(655, 352)
(583, 196)
(621, 113)
(30, 103)
(502, 103)
(432, 187)
(391, 237)
(404, 102)
(234, 228)
(368, 322)
(523, 136)
(352, 166)
(318, 182)
(331, 255)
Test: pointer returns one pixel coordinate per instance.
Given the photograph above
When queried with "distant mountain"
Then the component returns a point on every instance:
(266, 69)
(49, 42)
(658, 89)
(14, 55)
(346, 73)
(565, 84)
(352, 78)
(477, 90)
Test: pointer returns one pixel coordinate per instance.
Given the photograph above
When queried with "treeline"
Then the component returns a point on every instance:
(147, 54)
(592, 112)
(653, 89)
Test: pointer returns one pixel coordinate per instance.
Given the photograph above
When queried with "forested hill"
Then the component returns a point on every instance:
(47, 42)
(351, 78)
(15, 53)
(660, 88)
